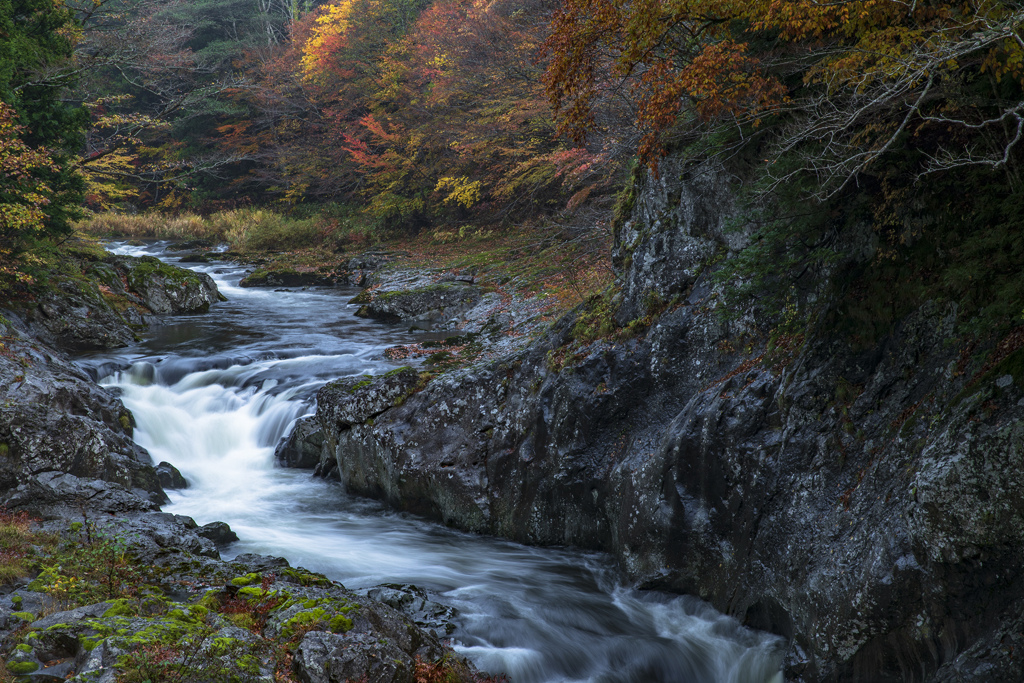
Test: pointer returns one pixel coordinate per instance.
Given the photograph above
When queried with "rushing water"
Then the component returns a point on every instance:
(214, 393)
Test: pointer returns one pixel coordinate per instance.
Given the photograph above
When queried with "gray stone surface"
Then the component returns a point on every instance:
(864, 503)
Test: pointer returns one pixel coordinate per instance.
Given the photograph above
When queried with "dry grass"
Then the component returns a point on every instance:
(563, 268)
(250, 230)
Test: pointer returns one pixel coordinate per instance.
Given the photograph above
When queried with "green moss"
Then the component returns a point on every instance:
(306, 618)
(5, 450)
(305, 578)
(363, 297)
(247, 579)
(16, 600)
(25, 616)
(21, 668)
(340, 624)
(209, 601)
(126, 422)
(150, 267)
(22, 647)
(122, 607)
(360, 385)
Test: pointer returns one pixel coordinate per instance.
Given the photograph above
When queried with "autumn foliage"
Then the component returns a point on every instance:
(24, 197)
(839, 83)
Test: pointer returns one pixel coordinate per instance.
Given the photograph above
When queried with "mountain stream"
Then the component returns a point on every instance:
(214, 393)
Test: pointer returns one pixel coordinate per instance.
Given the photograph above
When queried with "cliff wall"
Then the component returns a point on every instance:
(863, 503)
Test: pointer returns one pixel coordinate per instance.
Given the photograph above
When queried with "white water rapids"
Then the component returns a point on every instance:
(214, 393)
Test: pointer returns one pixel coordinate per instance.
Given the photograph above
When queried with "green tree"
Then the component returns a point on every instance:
(37, 39)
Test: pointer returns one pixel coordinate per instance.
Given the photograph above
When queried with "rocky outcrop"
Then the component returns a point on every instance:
(110, 302)
(164, 288)
(861, 502)
(431, 302)
(209, 620)
(62, 438)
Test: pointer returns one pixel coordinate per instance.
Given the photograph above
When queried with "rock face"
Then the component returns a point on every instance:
(61, 434)
(80, 315)
(864, 503)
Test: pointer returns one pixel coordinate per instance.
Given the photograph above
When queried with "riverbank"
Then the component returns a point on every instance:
(100, 585)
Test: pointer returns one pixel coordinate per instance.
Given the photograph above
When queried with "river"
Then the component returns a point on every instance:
(214, 393)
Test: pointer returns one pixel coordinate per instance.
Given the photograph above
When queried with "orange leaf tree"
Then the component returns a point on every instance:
(840, 82)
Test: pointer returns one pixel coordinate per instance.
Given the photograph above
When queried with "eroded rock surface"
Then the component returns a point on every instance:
(64, 438)
(864, 503)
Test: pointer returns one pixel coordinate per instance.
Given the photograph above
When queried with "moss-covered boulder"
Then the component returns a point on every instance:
(433, 302)
(165, 288)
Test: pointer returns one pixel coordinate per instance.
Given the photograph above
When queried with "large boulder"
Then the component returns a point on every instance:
(430, 302)
(165, 288)
(59, 430)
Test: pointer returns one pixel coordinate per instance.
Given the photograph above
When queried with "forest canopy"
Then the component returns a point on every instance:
(904, 116)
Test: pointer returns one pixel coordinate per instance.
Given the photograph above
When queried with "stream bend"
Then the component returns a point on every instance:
(213, 394)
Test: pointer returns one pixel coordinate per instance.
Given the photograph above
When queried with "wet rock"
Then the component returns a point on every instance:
(302, 445)
(353, 400)
(169, 476)
(413, 602)
(436, 301)
(330, 658)
(261, 563)
(218, 532)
